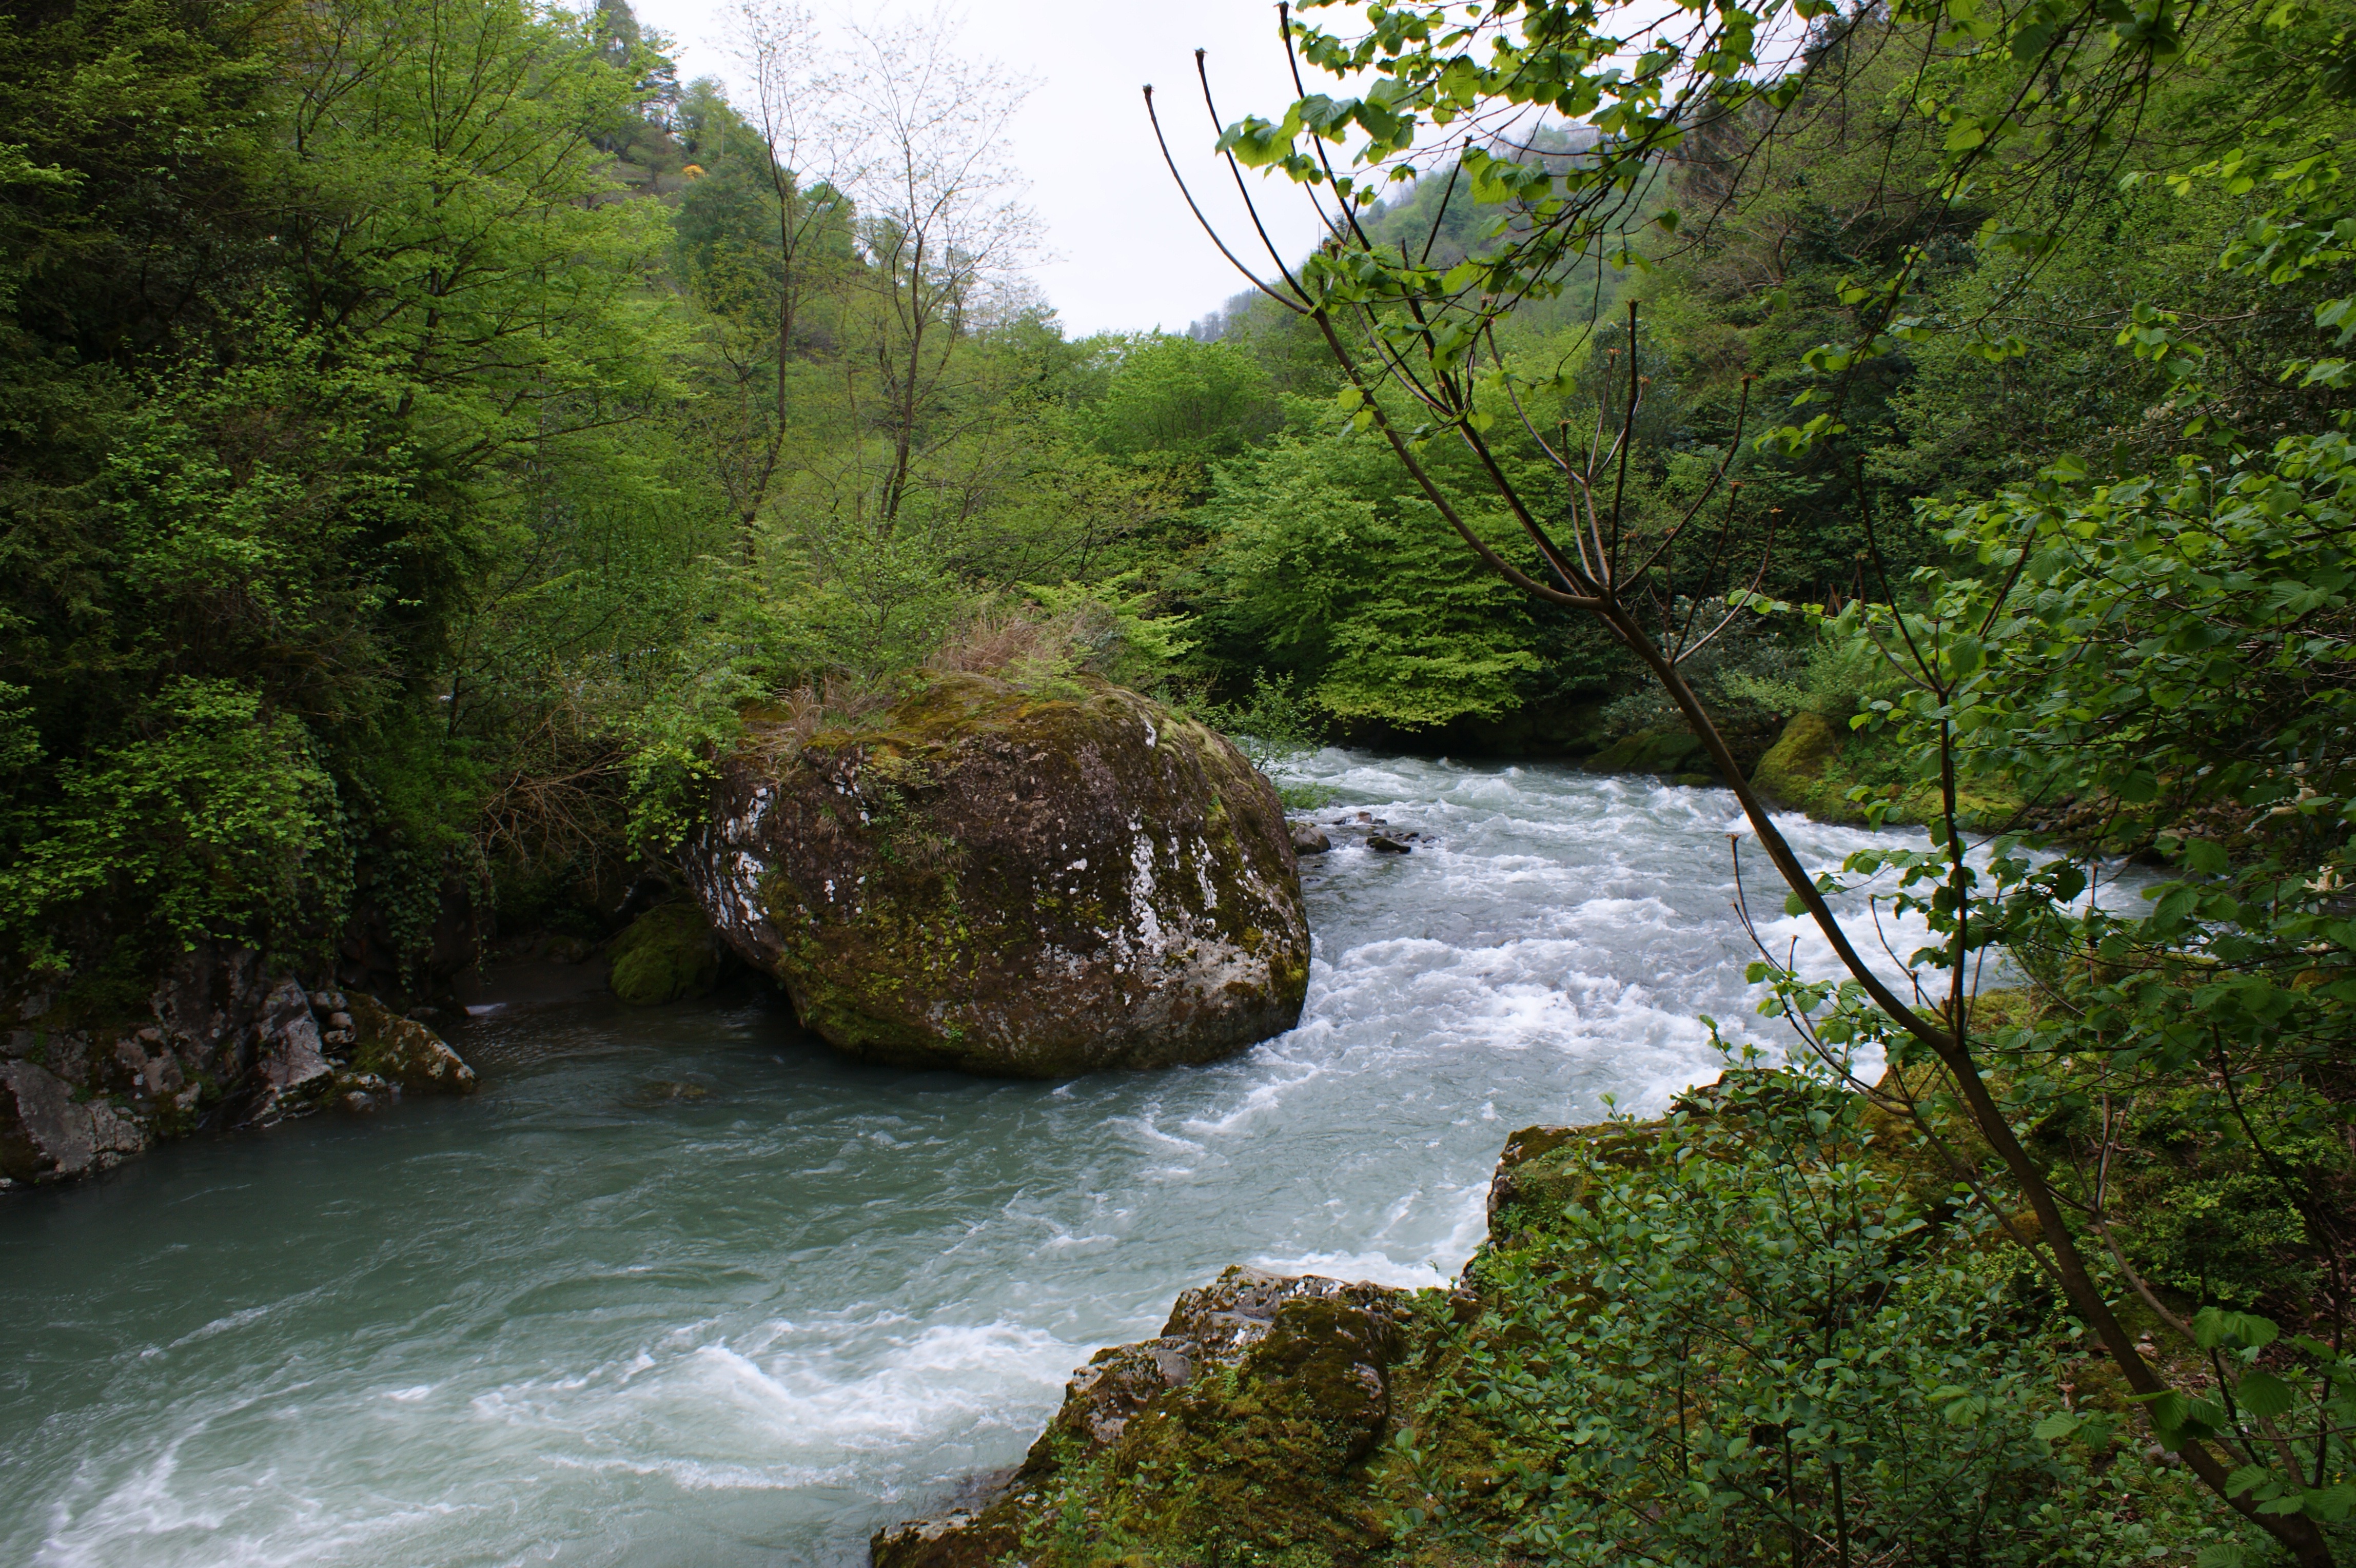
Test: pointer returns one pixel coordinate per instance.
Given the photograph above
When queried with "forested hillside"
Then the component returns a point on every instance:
(421, 452)
(429, 426)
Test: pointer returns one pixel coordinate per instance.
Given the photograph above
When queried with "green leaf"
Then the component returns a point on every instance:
(2330, 1504)
(2206, 856)
(2264, 1395)
(2213, 1327)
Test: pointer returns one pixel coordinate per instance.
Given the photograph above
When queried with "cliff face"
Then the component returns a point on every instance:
(1016, 883)
(92, 1074)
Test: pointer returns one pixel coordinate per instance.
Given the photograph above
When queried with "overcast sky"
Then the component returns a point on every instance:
(1127, 255)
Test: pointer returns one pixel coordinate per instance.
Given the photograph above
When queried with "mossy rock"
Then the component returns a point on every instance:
(670, 953)
(1243, 1434)
(1668, 752)
(1793, 767)
(403, 1051)
(1019, 882)
(1817, 763)
(1259, 1460)
(1547, 1167)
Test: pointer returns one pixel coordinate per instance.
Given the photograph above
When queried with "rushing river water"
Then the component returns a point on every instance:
(685, 1287)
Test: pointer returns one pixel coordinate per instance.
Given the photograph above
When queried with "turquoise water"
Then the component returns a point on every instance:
(686, 1287)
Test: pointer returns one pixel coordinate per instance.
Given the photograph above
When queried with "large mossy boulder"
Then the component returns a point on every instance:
(670, 953)
(1014, 882)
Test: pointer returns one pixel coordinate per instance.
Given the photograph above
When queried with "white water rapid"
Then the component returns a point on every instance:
(685, 1287)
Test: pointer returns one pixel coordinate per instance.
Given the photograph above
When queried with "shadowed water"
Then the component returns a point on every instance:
(685, 1287)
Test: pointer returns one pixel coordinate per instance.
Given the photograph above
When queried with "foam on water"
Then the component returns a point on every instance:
(567, 1321)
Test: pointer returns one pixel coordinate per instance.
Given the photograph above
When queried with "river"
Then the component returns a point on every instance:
(686, 1287)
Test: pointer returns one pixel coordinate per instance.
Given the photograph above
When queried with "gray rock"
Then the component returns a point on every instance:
(47, 1135)
(224, 1040)
(289, 1057)
(1308, 838)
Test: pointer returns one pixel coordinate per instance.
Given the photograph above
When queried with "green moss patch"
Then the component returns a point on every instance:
(1818, 766)
(668, 954)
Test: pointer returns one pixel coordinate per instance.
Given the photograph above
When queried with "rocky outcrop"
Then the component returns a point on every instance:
(93, 1070)
(1015, 882)
(1243, 1422)
(670, 953)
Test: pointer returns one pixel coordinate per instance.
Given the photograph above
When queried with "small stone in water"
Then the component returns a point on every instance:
(666, 1091)
(1382, 845)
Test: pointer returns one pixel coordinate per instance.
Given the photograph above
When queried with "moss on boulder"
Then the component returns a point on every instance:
(1017, 882)
(1817, 761)
(670, 953)
(1794, 768)
(1668, 752)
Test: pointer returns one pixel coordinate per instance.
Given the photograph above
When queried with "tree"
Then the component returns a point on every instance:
(372, 281)
(940, 227)
(803, 147)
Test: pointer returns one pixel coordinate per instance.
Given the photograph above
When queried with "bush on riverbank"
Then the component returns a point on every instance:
(1762, 1330)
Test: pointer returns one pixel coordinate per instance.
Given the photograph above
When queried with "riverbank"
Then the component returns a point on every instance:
(1769, 1317)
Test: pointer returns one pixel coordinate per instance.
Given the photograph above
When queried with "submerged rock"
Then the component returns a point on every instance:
(1014, 882)
(1243, 1422)
(670, 953)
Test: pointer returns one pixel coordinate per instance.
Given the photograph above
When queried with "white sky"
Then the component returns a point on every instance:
(1125, 253)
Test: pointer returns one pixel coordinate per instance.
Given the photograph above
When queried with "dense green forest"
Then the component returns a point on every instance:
(430, 431)
(420, 454)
